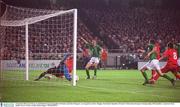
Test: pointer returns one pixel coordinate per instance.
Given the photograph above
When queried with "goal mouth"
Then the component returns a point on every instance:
(36, 40)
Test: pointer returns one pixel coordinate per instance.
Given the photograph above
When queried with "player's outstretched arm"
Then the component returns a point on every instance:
(141, 50)
(84, 40)
(161, 58)
(149, 53)
(146, 57)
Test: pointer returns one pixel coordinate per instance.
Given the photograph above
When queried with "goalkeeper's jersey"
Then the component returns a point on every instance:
(95, 50)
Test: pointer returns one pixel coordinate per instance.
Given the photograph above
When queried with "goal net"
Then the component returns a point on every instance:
(33, 40)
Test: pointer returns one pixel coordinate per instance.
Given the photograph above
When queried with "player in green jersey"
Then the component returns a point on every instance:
(95, 57)
(153, 63)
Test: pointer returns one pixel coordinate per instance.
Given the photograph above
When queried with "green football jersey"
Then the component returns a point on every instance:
(153, 55)
(95, 50)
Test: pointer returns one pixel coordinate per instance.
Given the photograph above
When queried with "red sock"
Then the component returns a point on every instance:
(153, 75)
(177, 75)
(156, 76)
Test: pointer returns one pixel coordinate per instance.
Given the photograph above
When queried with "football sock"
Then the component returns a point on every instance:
(145, 76)
(87, 73)
(153, 74)
(167, 77)
(95, 71)
(42, 75)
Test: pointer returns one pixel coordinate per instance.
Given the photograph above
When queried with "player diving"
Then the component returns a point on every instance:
(63, 69)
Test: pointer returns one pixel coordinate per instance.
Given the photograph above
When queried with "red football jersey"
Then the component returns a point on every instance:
(104, 55)
(171, 55)
(69, 63)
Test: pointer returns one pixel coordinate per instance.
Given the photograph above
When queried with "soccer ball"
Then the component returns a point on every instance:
(76, 77)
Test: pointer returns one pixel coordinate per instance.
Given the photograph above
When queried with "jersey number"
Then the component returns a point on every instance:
(174, 55)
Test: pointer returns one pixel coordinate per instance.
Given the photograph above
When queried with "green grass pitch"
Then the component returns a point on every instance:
(110, 86)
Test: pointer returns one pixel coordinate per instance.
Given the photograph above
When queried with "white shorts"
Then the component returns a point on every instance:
(94, 60)
(179, 62)
(152, 65)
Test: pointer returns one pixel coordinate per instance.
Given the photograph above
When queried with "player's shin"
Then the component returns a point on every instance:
(167, 77)
(153, 74)
(144, 75)
(95, 71)
(170, 79)
(40, 76)
(87, 73)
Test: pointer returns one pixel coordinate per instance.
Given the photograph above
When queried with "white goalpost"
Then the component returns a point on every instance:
(37, 34)
(75, 47)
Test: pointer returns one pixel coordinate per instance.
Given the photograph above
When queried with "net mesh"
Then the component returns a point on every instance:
(50, 36)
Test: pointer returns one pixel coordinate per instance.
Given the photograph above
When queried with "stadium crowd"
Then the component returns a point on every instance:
(129, 28)
(42, 44)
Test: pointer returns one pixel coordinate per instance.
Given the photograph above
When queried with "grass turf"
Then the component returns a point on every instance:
(110, 86)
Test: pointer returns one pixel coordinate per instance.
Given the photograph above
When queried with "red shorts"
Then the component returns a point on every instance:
(104, 58)
(169, 67)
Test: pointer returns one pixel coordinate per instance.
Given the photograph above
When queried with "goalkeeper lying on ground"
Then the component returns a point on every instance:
(63, 69)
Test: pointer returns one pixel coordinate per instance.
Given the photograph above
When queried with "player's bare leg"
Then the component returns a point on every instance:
(144, 75)
(87, 70)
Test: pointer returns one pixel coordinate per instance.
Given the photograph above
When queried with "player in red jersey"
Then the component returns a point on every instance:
(172, 65)
(158, 56)
(104, 55)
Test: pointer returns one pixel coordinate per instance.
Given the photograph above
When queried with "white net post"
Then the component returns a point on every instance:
(74, 47)
(37, 39)
(27, 52)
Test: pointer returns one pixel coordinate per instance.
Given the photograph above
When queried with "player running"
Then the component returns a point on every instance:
(153, 64)
(153, 72)
(63, 69)
(95, 57)
(172, 65)
(104, 56)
